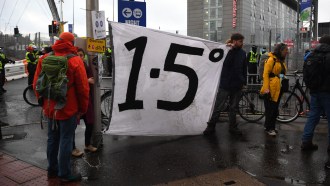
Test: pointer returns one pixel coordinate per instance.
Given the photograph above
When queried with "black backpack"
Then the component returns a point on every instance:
(313, 70)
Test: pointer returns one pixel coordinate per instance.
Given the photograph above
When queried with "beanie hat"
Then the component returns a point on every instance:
(67, 36)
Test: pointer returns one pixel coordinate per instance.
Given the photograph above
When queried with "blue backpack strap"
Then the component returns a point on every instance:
(306, 55)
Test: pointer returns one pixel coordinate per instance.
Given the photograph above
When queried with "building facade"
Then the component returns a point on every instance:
(262, 22)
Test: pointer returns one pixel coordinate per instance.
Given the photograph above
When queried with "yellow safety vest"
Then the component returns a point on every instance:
(3, 56)
(253, 57)
(28, 60)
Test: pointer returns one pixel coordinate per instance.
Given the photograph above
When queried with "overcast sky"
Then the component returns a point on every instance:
(33, 16)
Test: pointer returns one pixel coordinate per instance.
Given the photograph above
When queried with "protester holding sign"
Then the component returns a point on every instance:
(233, 78)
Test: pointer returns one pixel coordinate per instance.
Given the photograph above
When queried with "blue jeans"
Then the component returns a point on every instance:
(59, 145)
(319, 102)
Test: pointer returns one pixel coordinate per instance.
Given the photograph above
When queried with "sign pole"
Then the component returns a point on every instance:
(97, 139)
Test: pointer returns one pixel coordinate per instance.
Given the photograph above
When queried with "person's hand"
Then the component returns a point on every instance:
(266, 91)
(91, 80)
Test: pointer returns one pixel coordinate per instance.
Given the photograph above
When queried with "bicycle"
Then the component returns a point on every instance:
(291, 105)
(106, 101)
(251, 106)
(29, 96)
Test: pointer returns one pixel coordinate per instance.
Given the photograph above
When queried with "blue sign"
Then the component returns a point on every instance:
(132, 12)
(70, 27)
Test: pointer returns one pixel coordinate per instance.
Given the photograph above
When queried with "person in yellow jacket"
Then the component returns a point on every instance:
(274, 71)
(31, 57)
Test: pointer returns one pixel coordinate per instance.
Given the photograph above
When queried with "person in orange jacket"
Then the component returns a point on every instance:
(62, 122)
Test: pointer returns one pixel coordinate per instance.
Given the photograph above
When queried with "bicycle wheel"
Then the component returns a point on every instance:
(289, 107)
(251, 107)
(29, 96)
(106, 101)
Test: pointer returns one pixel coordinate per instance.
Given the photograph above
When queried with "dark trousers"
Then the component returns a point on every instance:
(31, 69)
(271, 112)
(253, 69)
(88, 135)
(222, 96)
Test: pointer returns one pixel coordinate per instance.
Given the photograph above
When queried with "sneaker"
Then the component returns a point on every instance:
(235, 131)
(271, 132)
(71, 178)
(77, 153)
(308, 146)
(210, 129)
(90, 148)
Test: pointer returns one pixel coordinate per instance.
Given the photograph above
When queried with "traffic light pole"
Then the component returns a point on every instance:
(97, 140)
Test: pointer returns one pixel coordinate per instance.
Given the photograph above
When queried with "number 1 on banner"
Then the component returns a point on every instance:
(131, 103)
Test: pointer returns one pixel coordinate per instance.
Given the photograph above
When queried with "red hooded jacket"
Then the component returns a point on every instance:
(78, 88)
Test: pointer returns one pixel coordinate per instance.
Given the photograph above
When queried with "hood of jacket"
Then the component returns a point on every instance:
(62, 47)
(323, 48)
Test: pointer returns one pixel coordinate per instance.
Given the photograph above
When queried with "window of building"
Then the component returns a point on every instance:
(220, 3)
(253, 38)
(213, 3)
(219, 23)
(220, 12)
(206, 2)
(213, 13)
(213, 25)
(213, 36)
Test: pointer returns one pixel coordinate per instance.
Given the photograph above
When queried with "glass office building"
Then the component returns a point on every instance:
(260, 21)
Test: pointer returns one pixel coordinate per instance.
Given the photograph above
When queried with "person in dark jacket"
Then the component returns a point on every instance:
(233, 79)
(320, 101)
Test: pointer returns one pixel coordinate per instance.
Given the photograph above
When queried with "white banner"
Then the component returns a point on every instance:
(164, 84)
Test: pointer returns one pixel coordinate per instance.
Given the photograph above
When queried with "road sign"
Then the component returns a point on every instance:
(96, 45)
(132, 12)
(98, 20)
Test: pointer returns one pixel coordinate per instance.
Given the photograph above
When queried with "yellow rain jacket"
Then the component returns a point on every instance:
(272, 83)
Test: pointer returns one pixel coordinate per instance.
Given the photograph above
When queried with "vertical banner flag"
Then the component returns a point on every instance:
(164, 84)
(305, 10)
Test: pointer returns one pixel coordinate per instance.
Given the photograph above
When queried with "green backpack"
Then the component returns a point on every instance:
(52, 81)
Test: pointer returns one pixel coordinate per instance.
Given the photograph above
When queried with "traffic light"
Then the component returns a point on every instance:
(54, 27)
(16, 31)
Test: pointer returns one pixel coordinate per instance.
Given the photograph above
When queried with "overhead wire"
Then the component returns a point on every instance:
(26, 5)
(11, 14)
(2, 8)
(43, 8)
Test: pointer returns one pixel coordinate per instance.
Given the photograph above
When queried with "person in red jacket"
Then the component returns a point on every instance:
(62, 122)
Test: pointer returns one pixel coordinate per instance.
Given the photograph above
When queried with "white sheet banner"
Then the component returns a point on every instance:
(164, 84)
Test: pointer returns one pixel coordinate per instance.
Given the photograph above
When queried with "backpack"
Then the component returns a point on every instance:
(52, 81)
(313, 68)
(263, 59)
